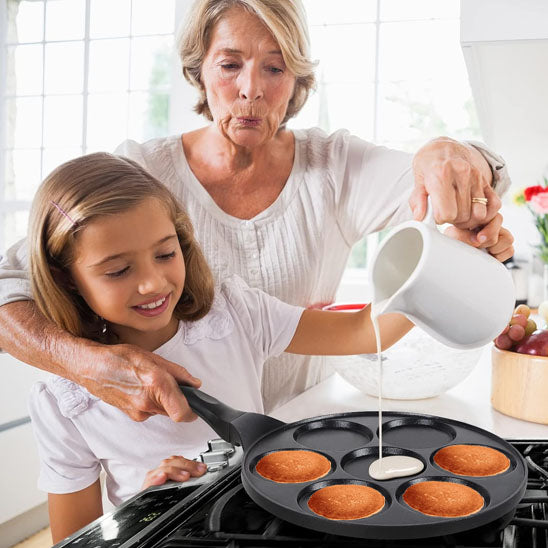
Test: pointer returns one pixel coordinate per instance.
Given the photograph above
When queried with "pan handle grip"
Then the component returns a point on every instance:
(218, 415)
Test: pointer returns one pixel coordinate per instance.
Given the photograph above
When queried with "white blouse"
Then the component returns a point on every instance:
(340, 189)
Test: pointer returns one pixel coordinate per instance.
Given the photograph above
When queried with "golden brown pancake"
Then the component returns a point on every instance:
(443, 498)
(293, 466)
(472, 460)
(346, 501)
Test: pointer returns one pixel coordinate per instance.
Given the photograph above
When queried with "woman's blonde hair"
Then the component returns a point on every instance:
(286, 21)
(73, 195)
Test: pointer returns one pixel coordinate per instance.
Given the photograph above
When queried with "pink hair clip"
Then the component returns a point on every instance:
(63, 212)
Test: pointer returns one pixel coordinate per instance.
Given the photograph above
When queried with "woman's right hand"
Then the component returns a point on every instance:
(138, 382)
(175, 468)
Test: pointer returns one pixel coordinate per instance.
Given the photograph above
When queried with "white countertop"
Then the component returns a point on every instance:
(468, 402)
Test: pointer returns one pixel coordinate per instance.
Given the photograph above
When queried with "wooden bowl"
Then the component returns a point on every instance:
(520, 385)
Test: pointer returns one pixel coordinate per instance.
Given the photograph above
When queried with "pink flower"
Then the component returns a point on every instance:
(539, 203)
(531, 191)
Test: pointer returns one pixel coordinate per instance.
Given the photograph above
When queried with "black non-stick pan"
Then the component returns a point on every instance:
(350, 442)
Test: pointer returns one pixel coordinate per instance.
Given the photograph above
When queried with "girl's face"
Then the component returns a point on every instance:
(130, 270)
(247, 84)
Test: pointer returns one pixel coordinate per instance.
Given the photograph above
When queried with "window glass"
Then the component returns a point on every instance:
(109, 18)
(25, 114)
(26, 64)
(108, 65)
(323, 12)
(15, 226)
(22, 170)
(64, 67)
(418, 9)
(62, 120)
(152, 17)
(148, 115)
(65, 19)
(106, 120)
(29, 21)
(151, 62)
(345, 53)
(52, 157)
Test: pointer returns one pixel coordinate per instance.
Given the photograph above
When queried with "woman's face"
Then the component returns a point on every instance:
(247, 83)
(130, 270)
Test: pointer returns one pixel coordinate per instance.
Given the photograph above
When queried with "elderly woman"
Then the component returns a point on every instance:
(280, 208)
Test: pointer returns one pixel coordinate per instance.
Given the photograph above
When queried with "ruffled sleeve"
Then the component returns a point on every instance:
(67, 464)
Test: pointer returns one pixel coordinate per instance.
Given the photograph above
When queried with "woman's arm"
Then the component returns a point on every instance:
(338, 333)
(138, 382)
(72, 511)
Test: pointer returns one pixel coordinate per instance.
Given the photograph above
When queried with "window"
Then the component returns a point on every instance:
(390, 71)
(83, 75)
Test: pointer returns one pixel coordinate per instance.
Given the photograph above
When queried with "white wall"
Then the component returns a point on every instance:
(505, 45)
(18, 454)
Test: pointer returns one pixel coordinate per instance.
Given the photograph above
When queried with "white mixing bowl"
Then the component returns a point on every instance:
(415, 367)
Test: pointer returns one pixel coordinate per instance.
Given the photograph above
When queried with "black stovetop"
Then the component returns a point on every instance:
(220, 514)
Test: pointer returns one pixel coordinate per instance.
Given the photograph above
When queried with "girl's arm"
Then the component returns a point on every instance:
(325, 332)
(72, 511)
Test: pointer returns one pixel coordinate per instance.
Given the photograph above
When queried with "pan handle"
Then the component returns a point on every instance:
(235, 426)
(218, 415)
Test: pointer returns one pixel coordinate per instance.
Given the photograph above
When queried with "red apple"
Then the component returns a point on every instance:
(535, 344)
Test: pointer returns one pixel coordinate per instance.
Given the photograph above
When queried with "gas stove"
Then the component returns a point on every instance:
(215, 511)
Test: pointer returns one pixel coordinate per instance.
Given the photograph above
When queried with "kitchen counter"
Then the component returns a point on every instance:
(468, 402)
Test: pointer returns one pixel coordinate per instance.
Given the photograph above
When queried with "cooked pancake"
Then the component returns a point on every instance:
(472, 460)
(293, 466)
(346, 501)
(443, 498)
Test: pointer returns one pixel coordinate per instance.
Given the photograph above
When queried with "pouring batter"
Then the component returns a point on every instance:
(392, 466)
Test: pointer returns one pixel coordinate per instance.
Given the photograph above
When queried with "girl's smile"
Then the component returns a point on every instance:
(129, 268)
(153, 307)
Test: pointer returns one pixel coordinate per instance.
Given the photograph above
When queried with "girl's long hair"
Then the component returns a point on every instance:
(73, 195)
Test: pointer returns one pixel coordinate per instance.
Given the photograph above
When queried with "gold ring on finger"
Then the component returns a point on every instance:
(479, 201)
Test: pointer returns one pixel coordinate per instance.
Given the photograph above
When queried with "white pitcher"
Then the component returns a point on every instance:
(460, 295)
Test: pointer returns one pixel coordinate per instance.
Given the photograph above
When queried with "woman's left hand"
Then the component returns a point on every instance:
(452, 173)
(493, 237)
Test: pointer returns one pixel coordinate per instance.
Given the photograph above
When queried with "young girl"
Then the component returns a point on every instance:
(113, 258)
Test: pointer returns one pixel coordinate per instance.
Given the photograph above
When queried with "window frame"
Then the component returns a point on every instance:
(14, 206)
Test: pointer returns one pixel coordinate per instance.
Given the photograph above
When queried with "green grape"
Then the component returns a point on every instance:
(530, 327)
(523, 309)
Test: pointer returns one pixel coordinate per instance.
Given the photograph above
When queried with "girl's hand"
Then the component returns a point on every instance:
(175, 468)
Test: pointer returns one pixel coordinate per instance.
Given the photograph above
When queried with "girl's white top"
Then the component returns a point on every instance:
(340, 188)
(77, 433)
